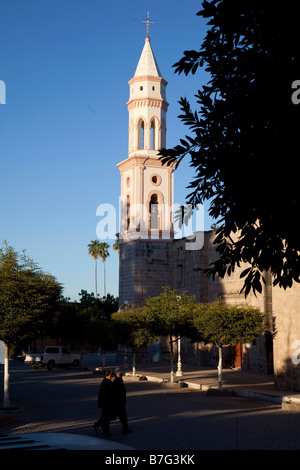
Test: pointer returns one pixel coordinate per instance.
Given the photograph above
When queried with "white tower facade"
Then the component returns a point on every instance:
(147, 187)
(147, 106)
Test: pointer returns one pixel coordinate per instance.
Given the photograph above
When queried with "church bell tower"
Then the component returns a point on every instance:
(146, 185)
(147, 193)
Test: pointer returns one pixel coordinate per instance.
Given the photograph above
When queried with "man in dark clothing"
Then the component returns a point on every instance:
(119, 399)
(105, 401)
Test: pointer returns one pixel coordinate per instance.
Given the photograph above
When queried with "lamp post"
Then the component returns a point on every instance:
(179, 370)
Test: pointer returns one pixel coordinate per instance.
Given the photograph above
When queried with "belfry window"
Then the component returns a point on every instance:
(153, 212)
(128, 212)
(153, 135)
(141, 134)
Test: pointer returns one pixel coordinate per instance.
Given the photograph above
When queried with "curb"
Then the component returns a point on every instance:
(220, 393)
(152, 379)
(286, 402)
(259, 396)
(174, 384)
(291, 403)
(196, 386)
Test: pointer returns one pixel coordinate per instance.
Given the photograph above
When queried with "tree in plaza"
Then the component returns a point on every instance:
(28, 298)
(109, 305)
(244, 135)
(97, 313)
(105, 305)
(100, 333)
(223, 325)
(70, 325)
(133, 330)
(95, 250)
(87, 321)
(104, 253)
(99, 250)
(28, 301)
(169, 315)
(116, 245)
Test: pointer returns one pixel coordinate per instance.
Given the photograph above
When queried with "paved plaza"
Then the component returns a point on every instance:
(162, 416)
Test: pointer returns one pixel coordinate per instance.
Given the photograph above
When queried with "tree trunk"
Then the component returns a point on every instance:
(171, 359)
(220, 368)
(133, 364)
(104, 279)
(268, 309)
(96, 293)
(6, 401)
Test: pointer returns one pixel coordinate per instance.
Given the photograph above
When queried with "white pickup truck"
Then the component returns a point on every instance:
(53, 356)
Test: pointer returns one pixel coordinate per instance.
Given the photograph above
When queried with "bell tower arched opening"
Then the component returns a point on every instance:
(127, 212)
(141, 134)
(153, 212)
(153, 130)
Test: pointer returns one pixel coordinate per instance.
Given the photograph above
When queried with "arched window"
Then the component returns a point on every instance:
(141, 134)
(153, 212)
(153, 135)
(128, 212)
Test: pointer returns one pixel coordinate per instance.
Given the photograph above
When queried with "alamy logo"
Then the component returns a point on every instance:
(296, 94)
(2, 92)
(296, 353)
(137, 222)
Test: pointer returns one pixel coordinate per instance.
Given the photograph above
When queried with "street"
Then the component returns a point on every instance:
(162, 418)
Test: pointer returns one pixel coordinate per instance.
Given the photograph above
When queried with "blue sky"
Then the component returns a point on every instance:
(66, 65)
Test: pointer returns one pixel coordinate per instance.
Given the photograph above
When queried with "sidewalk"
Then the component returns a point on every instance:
(188, 420)
(234, 382)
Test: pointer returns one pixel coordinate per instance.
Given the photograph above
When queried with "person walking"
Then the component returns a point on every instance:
(119, 399)
(105, 401)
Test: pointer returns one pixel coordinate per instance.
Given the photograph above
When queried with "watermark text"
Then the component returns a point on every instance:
(296, 353)
(2, 92)
(159, 221)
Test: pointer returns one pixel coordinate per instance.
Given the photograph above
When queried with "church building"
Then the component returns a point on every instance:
(147, 188)
(151, 257)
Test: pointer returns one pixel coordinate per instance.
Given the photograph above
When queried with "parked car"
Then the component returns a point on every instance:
(53, 356)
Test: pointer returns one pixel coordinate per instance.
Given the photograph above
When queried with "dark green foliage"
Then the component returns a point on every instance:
(132, 329)
(169, 313)
(244, 136)
(28, 298)
(223, 325)
(87, 320)
(105, 306)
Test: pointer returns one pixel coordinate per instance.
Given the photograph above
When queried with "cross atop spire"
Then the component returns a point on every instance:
(148, 22)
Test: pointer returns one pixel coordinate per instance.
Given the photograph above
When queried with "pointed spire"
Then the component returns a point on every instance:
(147, 64)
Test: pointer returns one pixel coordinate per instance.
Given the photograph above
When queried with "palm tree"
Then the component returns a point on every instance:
(94, 251)
(103, 250)
(116, 245)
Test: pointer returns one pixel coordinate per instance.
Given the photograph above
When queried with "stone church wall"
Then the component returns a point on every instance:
(286, 314)
(188, 266)
(148, 265)
(278, 350)
(144, 269)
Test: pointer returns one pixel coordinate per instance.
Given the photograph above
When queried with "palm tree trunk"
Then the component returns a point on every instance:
(96, 293)
(104, 279)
